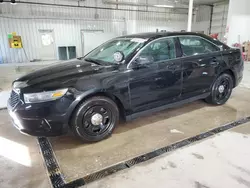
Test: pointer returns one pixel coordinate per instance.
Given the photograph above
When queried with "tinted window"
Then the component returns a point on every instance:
(159, 50)
(196, 45)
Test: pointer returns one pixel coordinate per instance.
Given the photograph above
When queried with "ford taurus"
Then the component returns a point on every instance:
(125, 77)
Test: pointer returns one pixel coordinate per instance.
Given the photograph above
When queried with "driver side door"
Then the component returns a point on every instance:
(155, 76)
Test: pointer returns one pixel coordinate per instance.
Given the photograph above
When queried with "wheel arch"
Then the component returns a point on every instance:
(230, 72)
(88, 95)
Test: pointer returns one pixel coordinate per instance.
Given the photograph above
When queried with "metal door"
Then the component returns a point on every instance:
(47, 49)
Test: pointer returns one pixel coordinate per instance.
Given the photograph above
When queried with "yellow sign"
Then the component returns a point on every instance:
(15, 42)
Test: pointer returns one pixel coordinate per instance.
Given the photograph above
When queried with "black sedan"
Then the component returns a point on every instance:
(126, 77)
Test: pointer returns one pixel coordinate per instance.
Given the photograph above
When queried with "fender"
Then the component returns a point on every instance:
(78, 99)
(86, 94)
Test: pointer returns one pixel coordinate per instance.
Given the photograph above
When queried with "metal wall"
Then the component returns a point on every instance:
(219, 20)
(67, 22)
(203, 13)
(66, 32)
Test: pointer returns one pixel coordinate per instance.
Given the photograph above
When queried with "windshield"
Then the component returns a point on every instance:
(105, 52)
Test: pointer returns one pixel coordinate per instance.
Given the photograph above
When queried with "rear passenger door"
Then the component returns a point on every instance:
(201, 59)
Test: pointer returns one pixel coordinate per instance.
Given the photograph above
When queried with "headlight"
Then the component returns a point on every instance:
(18, 84)
(44, 96)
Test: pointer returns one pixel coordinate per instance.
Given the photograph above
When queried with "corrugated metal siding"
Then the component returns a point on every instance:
(219, 19)
(67, 22)
(203, 13)
(67, 33)
(202, 19)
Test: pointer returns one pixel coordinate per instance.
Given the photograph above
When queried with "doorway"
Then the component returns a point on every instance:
(47, 50)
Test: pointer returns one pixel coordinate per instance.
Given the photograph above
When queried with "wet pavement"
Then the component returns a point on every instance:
(217, 162)
(146, 134)
(20, 161)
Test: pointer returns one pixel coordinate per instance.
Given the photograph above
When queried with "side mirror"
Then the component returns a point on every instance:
(143, 61)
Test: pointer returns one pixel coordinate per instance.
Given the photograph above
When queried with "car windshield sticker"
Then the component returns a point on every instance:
(118, 56)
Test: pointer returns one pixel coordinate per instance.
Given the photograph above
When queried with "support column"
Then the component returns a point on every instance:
(190, 15)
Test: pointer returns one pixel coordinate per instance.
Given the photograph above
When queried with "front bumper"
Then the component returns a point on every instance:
(41, 119)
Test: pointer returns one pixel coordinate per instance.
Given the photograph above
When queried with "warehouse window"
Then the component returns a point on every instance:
(196, 45)
(160, 50)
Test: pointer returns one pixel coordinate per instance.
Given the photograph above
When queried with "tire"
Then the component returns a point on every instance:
(95, 119)
(221, 90)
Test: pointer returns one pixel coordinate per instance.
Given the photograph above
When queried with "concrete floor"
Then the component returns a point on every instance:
(220, 161)
(147, 134)
(20, 161)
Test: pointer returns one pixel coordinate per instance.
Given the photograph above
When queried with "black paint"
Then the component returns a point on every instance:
(135, 86)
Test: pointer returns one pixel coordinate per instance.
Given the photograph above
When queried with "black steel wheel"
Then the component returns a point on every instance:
(221, 90)
(95, 119)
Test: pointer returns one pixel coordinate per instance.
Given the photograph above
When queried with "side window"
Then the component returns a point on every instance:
(196, 45)
(160, 50)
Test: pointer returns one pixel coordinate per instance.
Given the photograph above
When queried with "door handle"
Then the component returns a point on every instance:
(172, 67)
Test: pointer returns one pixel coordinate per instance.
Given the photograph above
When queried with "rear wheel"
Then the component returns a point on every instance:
(221, 90)
(95, 119)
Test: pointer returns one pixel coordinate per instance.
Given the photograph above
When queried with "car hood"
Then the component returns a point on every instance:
(62, 72)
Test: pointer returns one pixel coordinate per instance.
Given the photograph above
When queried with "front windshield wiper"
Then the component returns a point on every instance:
(92, 61)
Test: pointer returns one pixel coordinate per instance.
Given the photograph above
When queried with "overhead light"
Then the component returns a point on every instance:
(164, 6)
(13, 2)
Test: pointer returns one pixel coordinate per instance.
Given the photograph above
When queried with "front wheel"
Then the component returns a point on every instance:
(95, 119)
(221, 90)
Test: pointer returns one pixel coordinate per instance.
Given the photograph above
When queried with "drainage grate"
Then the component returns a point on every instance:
(200, 137)
(57, 179)
(103, 173)
(52, 166)
(75, 183)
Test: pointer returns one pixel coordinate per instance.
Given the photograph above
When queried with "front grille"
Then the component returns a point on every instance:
(14, 98)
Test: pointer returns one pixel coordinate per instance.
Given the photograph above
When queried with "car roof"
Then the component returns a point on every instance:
(153, 35)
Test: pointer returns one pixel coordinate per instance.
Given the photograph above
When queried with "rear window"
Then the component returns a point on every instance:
(193, 45)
